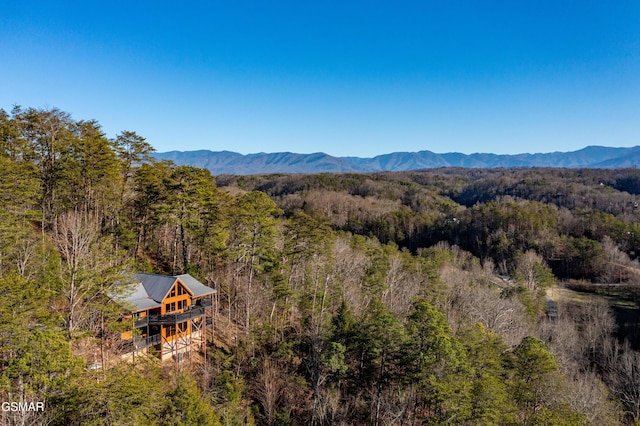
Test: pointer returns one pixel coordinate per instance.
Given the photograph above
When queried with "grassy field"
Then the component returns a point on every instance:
(625, 309)
(567, 295)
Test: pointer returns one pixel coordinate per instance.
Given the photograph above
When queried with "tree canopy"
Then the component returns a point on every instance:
(382, 299)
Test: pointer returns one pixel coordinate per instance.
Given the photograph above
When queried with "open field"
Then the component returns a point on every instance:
(625, 311)
(566, 295)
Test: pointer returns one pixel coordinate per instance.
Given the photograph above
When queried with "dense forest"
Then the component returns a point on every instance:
(344, 299)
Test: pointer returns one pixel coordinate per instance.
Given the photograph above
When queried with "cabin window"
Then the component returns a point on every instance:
(170, 331)
(181, 291)
(182, 304)
(173, 292)
(170, 307)
(182, 327)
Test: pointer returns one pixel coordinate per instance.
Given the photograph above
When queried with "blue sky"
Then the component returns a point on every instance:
(347, 78)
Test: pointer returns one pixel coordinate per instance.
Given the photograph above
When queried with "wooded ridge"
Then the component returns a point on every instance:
(226, 162)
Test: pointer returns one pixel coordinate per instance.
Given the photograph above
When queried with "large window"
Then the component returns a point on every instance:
(170, 331)
(170, 307)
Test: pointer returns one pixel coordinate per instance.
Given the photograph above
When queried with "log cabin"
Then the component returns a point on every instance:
(168, 315)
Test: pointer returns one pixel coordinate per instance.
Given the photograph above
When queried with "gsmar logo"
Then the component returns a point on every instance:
(23, 406)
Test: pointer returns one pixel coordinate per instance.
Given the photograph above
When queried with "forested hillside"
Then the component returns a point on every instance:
(344, 299)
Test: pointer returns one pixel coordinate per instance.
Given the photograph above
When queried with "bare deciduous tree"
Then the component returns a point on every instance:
(269, 389)
(587, 394)
(73, 235)
(625, 381)
(470, 302)
(527, 266)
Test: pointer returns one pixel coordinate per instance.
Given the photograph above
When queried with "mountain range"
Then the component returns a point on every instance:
(227, 162)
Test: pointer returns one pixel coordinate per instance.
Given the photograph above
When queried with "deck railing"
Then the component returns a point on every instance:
(194, 311)
(144, 342)
(178, 317)
(142, 322)
(137, 343)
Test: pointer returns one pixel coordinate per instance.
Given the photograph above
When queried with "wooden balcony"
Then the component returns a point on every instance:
(137, 343)
(176, 318)
(194, 311)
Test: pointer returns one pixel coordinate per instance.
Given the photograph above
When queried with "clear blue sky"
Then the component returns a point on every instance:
(343, 77)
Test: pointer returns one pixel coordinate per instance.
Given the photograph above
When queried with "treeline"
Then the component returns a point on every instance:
(584, 222)
(343, 299)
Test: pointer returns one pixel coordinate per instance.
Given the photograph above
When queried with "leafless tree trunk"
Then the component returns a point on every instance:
(527, 267)
(626, 381)
(73, 234)
(269, 390)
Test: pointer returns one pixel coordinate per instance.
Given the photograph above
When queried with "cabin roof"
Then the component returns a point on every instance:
(196, 287)
(150, 290)
(140, 299)
(157, 286)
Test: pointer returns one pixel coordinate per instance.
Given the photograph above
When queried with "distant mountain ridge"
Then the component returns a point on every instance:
(227, 162)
